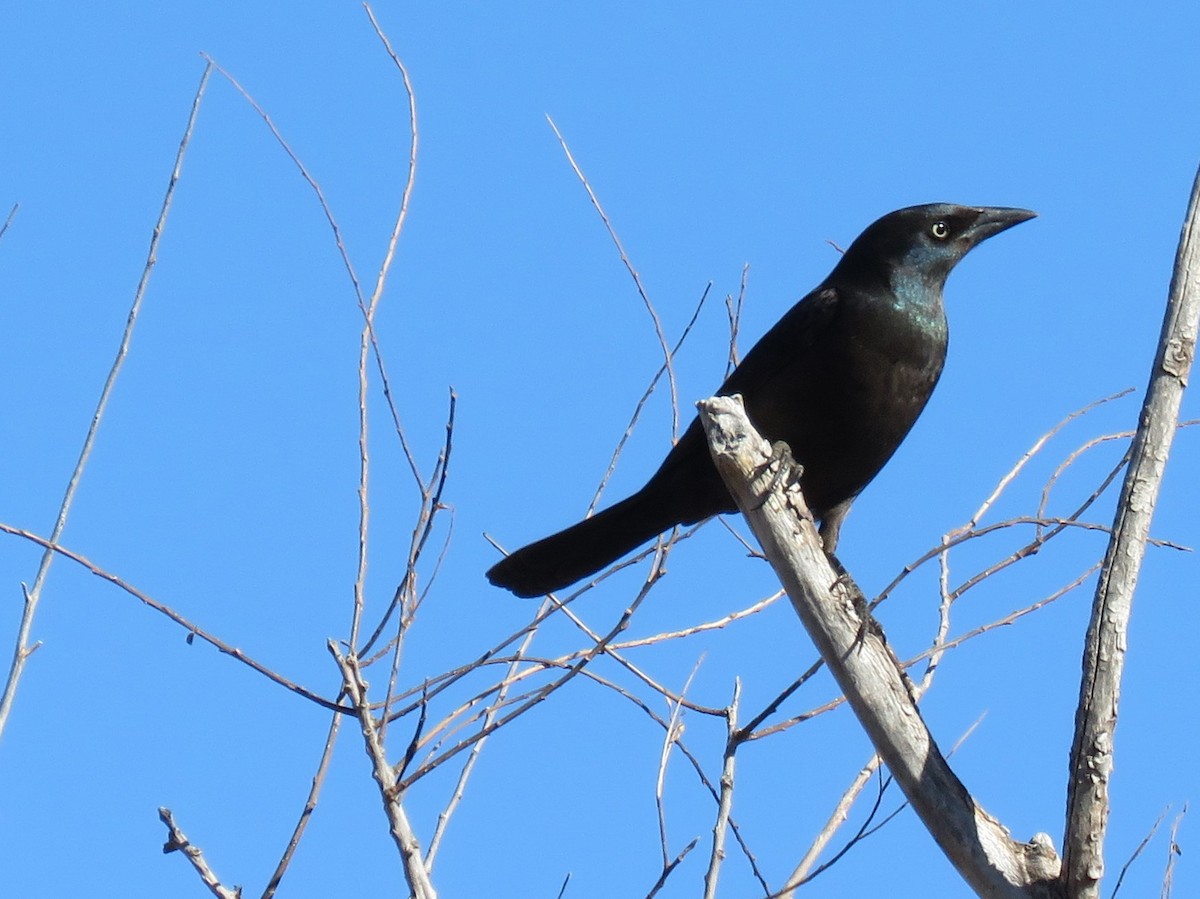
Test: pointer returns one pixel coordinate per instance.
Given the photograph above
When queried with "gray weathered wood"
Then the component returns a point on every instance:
(994, 864)
(1104, 653)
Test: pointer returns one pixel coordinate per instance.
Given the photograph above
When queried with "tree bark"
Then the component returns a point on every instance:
(830, 606)
(1104, 652)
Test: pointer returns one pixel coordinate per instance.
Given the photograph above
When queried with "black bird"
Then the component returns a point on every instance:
(841, 378)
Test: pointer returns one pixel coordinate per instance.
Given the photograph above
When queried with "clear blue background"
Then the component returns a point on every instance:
(223, 482)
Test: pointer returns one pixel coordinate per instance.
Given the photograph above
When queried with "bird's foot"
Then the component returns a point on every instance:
(866, 621)
(786, 469)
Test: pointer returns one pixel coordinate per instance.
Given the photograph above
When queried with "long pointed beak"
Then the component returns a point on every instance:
(994, 219)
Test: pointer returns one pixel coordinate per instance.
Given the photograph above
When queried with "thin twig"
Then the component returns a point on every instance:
(1038, 444)
(641, 403)
(840, 814)
(177, 841)
(734, 311)
(537, 698)
(1173, 853)
(637, 279)
(310, 805)
(805, 872)
(725, 804)
(970, 529)
(21, 650)
(637, 672)
(668, 870)
(1138, 851)
(537, 664)
(343, 252)
(192, 629)
(369, 346)
(670, 735)
(716, 624)
(12, 213)
(473, 756)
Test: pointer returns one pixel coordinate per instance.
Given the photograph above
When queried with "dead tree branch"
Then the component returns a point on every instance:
(1107, 636)
(829, 605)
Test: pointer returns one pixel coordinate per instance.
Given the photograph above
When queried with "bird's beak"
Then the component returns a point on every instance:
(994, 219)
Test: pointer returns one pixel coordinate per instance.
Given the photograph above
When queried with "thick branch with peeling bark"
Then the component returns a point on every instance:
(829, 606)
(1104, 651)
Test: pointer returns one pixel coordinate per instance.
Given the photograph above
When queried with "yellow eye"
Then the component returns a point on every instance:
(939, 230)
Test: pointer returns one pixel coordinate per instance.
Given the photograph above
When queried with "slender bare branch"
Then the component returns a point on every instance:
(12, 213)
(473, 756)
(1173, 853)
(1138, 851)
(177, 841)
(343, 252)
(22, 650)
(725, 804)
(193, 630)
(641, 403)
(538, 696)
(310, 806)
(733, 309)
(668, 870)
(672, 733)
(637, 279)
(1037, 447)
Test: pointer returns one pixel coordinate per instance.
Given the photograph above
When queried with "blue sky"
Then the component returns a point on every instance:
(223, 480)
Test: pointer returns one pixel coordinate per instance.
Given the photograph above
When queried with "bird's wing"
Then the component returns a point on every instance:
(789, 342)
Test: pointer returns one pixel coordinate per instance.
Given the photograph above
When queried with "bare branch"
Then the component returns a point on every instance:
(670, 736)
(335, 228)
(403, 835)
(310, 805)
(193, 630)
(1104, 651)
(177, 841)
(641, 403)
(21, 650)
(725, 804)
(637, 279)
(1138, 851)
(12, 213)
(828, 604)
(1037, 447)
(1173, 853)
(667, 871)
(473, 756)
(538, 696)
(733, 309)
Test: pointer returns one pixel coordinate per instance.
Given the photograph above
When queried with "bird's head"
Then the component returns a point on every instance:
(923, 243)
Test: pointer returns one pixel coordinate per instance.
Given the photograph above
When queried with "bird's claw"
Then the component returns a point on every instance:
(785, 467)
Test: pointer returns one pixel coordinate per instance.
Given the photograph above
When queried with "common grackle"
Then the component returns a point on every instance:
(841, 378)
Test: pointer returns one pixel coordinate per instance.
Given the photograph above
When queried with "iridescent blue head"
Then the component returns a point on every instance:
(919, 245)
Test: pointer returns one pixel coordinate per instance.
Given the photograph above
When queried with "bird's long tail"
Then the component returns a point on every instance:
(584, 548)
